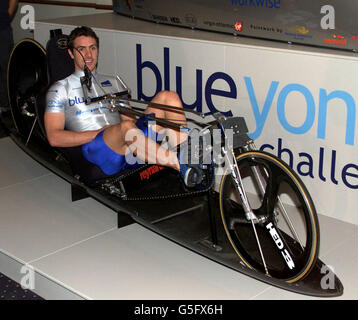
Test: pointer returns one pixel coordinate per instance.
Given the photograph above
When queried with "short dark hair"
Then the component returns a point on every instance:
(81, 31)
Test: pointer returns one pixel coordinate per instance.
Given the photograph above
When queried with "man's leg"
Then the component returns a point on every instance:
(192, 174)
(169, 98)
(126, 138)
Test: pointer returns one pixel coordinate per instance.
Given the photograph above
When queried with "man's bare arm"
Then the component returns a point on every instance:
(59, 137)
(12, 8)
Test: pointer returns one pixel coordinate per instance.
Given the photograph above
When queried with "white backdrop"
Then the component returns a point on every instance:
(299, 105)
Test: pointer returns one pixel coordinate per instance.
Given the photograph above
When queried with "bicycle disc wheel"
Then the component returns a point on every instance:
(283, 241)
(27, 77)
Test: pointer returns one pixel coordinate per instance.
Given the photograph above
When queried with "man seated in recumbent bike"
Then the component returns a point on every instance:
(106, 137)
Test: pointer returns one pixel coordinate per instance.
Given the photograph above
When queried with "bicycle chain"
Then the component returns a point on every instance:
(171, 196)
(114, 180)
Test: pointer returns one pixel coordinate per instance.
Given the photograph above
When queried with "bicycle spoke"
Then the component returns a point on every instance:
(288, 220)
(239, 213)
(261, 183)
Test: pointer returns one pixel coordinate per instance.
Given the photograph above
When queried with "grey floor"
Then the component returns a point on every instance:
(73, 250)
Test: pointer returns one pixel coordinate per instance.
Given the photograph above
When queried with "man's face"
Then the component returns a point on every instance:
(89, 50)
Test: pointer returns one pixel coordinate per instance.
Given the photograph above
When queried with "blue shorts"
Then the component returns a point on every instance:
(110, 162)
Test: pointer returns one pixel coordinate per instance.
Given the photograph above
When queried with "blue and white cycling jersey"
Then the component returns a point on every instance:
(67, 96)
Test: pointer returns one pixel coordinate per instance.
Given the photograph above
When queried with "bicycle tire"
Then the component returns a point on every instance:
(286, 253)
